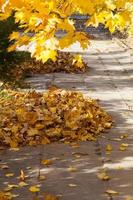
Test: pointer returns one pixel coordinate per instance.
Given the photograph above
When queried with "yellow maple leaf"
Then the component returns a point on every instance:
(72, 169)
(109, 148)
(11, 48)
(51, 197)
(112, 192)
(46, 54)
(103, 176)
(22, 184)
(123, 146)
(78, 61)
(9, 174)
(22, 175)
(14, 36)
(34, 189)
(46, 162)
(42, 178)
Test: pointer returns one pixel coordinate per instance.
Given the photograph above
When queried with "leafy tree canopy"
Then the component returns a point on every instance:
(41, 20)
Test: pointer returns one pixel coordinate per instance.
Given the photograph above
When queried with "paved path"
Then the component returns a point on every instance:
(110, 79)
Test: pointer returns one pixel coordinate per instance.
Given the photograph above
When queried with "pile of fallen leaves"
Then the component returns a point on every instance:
(58, 115)
(3, 196)
(65, 62)
(34, 189)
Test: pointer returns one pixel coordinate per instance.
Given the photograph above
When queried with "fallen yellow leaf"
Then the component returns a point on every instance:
(72, 169)
(103, 176)
(50, 197)
(12, 186)
(9, 175)
(46, 162)
(72, 185)
(124, 136)
(112, 192)
(34, 188)
(22, 184)
(123, 146)
(42, 177)
(22, 175)
(109, 147)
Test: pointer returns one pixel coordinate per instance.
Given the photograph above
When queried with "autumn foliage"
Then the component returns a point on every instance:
(33, 118)
(57, 115)
(40, 21)
(65, 62)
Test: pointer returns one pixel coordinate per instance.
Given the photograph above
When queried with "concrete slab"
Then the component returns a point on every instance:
(73, 172)
(12, 163)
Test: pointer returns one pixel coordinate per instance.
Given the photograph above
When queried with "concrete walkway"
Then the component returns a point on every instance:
(109, 79)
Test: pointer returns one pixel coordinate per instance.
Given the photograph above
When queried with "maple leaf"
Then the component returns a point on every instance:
(123, 146)
(46, 54)
(12, 48)
(22, 175)
(109, 148)
(78, 61)
(42, 177)
(72, 185)
(103, 176)
(34, 189)
(72, 169)
(22, 184)
(14, 36)
(112, 192)
(9, 174)
(46, 162)
(50, 197)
